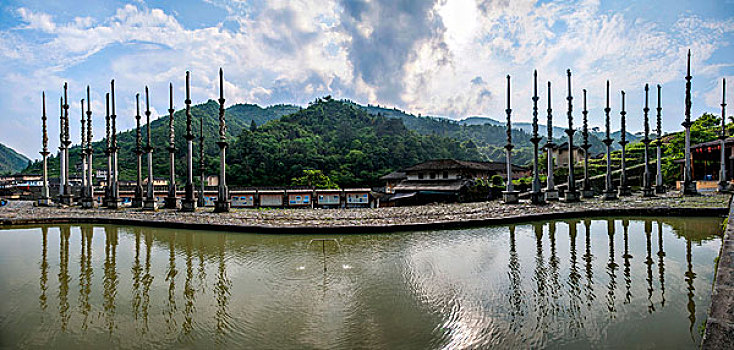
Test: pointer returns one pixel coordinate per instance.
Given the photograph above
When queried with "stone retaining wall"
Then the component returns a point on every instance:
(720, 323)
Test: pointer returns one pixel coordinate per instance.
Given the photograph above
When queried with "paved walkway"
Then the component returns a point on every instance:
(369, 220)
(720, 323)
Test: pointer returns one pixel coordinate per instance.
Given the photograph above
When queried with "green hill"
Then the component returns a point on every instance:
(238, 118)
(348, 144)
(11, 161)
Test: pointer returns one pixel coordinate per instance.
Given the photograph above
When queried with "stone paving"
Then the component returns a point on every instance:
(434, 215)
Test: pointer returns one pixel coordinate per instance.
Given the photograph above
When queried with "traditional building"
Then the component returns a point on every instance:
(560, 155)
(706, 162)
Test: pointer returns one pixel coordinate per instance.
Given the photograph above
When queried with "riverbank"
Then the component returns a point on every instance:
(720, 323)
(427, 217)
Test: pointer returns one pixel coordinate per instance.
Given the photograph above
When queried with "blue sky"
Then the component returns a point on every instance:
(444, 57)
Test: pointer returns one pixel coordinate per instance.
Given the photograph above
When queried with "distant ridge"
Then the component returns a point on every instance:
(11, 161)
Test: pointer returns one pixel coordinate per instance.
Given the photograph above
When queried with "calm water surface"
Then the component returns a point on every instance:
(637, 283)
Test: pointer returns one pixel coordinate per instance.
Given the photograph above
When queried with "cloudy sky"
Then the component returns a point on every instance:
(446, 57)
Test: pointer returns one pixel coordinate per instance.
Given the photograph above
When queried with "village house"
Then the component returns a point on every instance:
(560, 155)
(706, 163)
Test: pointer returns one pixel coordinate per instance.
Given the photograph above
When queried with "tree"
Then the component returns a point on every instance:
(253, 125)
(314, 179)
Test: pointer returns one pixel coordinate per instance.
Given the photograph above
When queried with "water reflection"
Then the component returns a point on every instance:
(522, 286)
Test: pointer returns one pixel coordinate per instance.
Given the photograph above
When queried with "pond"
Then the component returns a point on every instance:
(619, 282)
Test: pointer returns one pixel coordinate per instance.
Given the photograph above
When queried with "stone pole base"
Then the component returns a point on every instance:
(587, 193)
(724, 186)
(610, 195)
(624, 191)
(689, 188)
(150, 204)
(66, 200)
(221, 206)
(571, 196)
(660, 189)
(87, 202)
(170, 202)
(537, 198)
(45, 202)
(648, 192)
(114, 203)
(552, 195)
(188, 204)
(138, 199)
(511, 197)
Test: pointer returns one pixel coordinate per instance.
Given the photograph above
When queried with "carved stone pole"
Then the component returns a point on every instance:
(659, 186)
(149, 203)
(107, 152)
(572, 195)
(551, 193)
(138, 199)
(222, 204)
(171, 198)
(510, 196)
(62, 159)
(610, 193)
(189, 202)
(724, 185)
(45, 199)
(689, 186)
(82, 151)
(88, 201)
(624, 190)
(536, 196)
(66, 198)
(647, 190)
(586, 191)
(201, 202)
(115, 189)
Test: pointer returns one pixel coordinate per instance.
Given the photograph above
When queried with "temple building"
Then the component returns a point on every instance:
(560, 155)
(705, 163)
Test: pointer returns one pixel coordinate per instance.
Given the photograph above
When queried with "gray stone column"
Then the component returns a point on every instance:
(45, 199)
(138, 199)
(115, 185)
(536, 196)
(149, 203)
(67, 198)
(724, 185)
(688, 186)
(586, 190)
(624, 189)
(659, 184)
(201, 203)
(171, 200)
(82, 151)
(572, 195)
(510, 196)
(551, 193)
(647, 190)
(88, 198)
(189, 202)
(62, 159)
(222, 204)
(610, 193)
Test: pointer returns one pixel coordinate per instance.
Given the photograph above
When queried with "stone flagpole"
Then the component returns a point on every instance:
(724, 185)
(510, 196)
(536, 196)
(572, 195)
(586, 191)
(62, 160)
(149, 203)
(610, 192)
(107, 152)
(647, 190)
(138, 199)
(45, 199)
(88, 201)
(222, 204)
(189, 202)
(82, 151)
(624, 189)
(202, 201)
(171, 201)
(689, 186)
(551, 193)
(115, 189)
(659, 185)
(66, 198)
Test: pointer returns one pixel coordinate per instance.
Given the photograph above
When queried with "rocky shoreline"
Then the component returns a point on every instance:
(436, 216)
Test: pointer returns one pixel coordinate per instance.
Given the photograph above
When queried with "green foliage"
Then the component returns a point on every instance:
(347, 144)
(497, 180)
(314, 179)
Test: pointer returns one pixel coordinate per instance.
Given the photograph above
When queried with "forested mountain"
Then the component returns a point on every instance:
(348, 144)
(238, 117)
(11, 161)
